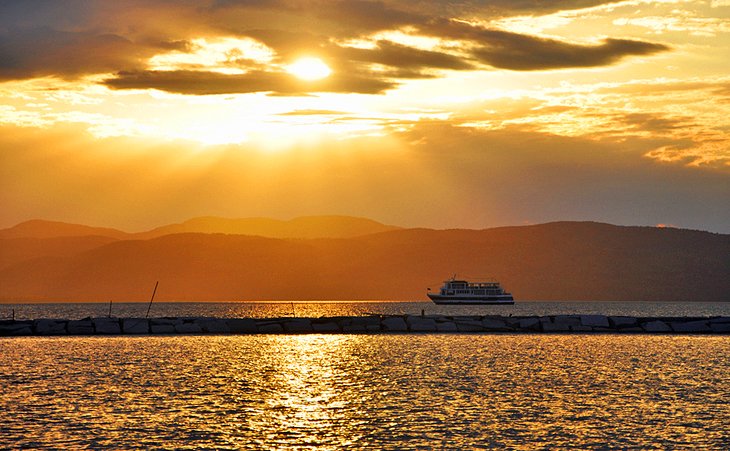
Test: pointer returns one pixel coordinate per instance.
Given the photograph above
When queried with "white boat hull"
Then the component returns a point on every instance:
(472, 300)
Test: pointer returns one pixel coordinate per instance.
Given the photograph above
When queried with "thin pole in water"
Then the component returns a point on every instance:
(110, 308)
(151, 299)
(293, 312)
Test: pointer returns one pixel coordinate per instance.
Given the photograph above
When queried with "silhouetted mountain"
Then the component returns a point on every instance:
(15, 250)
(565, 260)
(303, 227)
(38, 228)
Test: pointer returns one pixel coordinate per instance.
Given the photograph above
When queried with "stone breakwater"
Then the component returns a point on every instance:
(578, 324)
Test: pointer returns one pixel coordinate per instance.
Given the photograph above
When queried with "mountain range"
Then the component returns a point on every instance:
(340, 257)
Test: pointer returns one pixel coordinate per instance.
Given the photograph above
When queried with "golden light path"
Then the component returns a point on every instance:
(386, 392)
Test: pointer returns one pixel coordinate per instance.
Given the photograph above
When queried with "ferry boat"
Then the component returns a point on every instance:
(455, 291)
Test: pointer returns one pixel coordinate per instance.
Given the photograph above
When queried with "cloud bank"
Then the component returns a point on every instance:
(76, 39)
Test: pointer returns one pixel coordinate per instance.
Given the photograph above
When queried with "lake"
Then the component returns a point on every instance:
(390, 392)
(350, 308)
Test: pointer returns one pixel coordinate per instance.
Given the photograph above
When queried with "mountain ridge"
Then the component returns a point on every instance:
(554, 261)
(300, 227)
(42, 228)
(326, 226)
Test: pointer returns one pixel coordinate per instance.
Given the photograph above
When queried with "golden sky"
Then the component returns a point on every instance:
(133, 114)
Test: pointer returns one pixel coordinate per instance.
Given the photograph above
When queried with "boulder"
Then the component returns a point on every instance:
(326, 327)
(270, 328)
(214, 325)
(656, 326)
(242, 325)
(630, 330)
(135, 326)
(493, 324)
(162, 328)
(369, 323)
(298, 325)
(80, 327)
(446, 326)
(355, 328)
(581, 329)
(594, 320)
(568, 320)
(16, 328)
(188, 328)
(697, 327)
(421, 324)
(107, 326)
(555, 327)
(165, 321)
(619, 322)
(50, 327)
(469, 325)
(394, 324)
(720, 328)
(531, 323)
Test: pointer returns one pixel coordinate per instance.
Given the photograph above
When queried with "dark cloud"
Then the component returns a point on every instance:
(514, 51)
(201, 83)
(400, 61)
(363, 16)
(518, 52)
(403, 57)
(104, 37)
(654, 122)
(497, 8)
(43, 51)
(45, 13)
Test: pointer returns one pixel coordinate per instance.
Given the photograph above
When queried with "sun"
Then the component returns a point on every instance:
(309, 68)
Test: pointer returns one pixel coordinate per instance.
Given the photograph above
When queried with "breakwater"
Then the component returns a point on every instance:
(372, 324)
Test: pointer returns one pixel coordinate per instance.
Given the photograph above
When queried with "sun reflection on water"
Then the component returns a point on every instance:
(309, 390)
(365, 391)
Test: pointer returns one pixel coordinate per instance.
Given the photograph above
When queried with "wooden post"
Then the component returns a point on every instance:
(151, 299)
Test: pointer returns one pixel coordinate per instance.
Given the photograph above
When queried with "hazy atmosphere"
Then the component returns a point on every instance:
(364, 224)
(137, 114)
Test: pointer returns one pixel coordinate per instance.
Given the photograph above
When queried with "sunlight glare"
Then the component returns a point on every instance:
(309, 68)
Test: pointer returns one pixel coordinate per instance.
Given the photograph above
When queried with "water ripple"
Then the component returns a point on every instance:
(359, 391)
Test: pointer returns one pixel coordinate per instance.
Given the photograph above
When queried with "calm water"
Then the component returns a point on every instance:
(366, 391)
(318, 309)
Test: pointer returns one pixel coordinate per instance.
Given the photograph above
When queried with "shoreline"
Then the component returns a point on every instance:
(373, 324)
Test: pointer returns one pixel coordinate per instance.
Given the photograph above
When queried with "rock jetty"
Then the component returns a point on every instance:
(374, 324)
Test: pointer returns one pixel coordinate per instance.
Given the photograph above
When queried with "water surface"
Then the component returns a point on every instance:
(349, 308)
(365, 391)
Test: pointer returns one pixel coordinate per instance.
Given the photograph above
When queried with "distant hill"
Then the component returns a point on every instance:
(15, 250)
(556, 261)
(303, 227)
(38, 228)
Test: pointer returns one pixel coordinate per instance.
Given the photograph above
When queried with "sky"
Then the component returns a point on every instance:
(467, 114)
